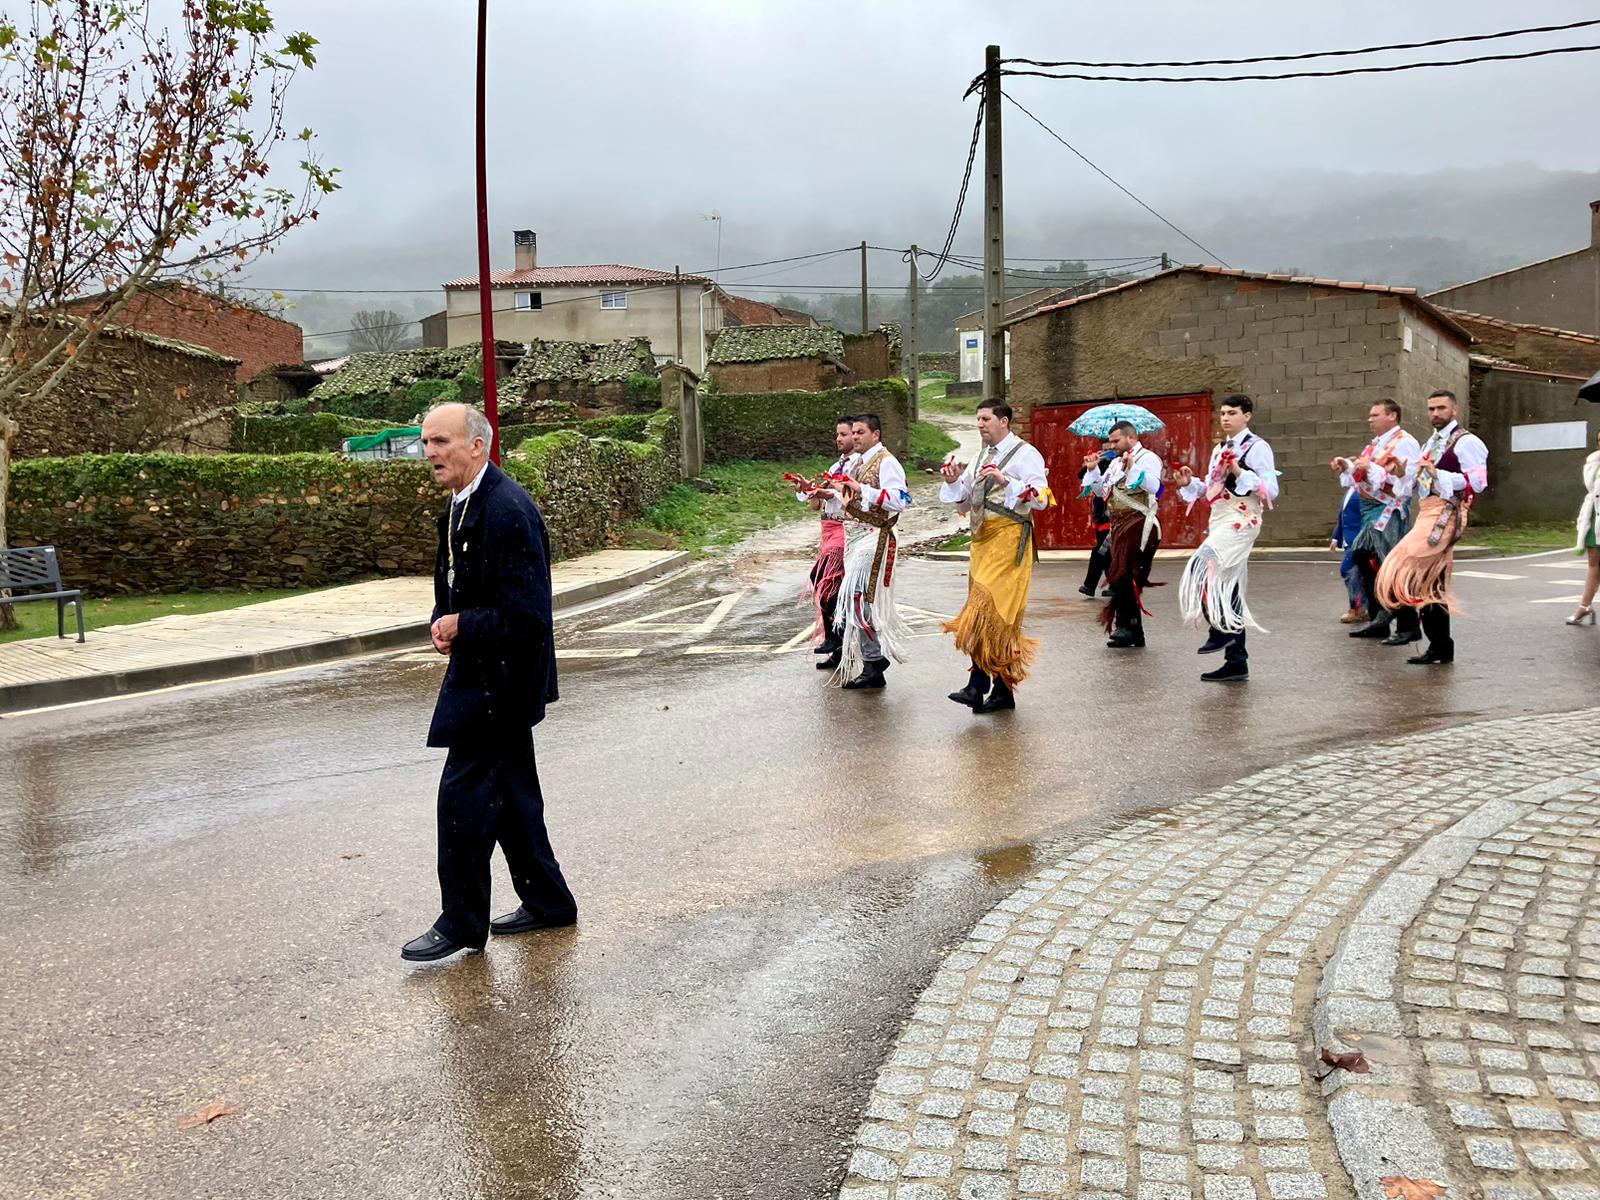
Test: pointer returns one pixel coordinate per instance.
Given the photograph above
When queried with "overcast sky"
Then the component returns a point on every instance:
(810, 125)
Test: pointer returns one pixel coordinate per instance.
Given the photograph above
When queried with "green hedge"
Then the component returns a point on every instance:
(136, 523)
(631, 427)
(305, 433)
(778, 426)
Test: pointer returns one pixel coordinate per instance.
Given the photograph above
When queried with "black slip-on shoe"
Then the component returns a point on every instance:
(523, 921)
(999, 700)
(1430, 659)
(431, 946)
(1400, 638)
(1228, 673)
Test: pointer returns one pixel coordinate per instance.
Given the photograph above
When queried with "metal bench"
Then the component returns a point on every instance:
(34, 573)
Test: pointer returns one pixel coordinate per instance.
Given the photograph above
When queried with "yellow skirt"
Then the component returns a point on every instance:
(989, 629)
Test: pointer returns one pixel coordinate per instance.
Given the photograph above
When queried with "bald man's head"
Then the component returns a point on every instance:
(455, 439)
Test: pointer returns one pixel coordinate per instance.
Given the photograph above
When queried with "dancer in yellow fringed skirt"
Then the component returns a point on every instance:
(999, 492)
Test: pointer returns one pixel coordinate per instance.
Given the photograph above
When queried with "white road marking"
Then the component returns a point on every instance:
(1573, 599)
(1576, 564)
(798, 641)
(597, 652)
(1460, 574)
(764, 648)
(719, 607)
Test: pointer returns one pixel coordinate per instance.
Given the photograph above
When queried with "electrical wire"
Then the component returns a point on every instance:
(1186, 237)
(1267, 58)
(961, 199)
(1329, 74)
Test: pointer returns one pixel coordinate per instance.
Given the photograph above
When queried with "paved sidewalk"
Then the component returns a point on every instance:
(1147, 1018)
(332, 623)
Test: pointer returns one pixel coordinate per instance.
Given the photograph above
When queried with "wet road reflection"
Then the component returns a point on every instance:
(206, 888)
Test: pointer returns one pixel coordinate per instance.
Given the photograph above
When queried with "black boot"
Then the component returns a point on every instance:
(1379, 628)
(977, 688)
(831, 663)
(832, 643)
(1127, 637)
(1215, 640)
(1402, 637)
(999, 699)
(1228, 672)
(871, 675)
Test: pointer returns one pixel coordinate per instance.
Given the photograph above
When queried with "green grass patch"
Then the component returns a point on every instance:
(934, 400)
(1521, 539)
(929, 444)
(39, 618)
(960, 542)
(739, 498)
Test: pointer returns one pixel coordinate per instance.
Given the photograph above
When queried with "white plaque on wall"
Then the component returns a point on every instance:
(1550, 435)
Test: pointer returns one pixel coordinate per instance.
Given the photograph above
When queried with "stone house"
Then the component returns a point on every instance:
(598, 303)
(778, 358)
(1313, 353)
(1561, 292)
(584, 379)
(223, 324)
(132, 391)
(740, 310)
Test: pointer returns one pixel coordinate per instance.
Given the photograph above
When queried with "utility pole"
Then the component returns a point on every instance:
(994, 235)
(914, 375)
(677, 304)
(864, 325)
(1166, 262)
(491, 402)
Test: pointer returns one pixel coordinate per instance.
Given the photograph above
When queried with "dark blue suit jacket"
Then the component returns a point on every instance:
(502, 668)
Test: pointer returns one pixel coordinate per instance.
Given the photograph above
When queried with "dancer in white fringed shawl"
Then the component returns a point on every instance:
(869, 624)
(1240, 483)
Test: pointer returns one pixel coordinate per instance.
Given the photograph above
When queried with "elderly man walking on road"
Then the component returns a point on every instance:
(492, 618)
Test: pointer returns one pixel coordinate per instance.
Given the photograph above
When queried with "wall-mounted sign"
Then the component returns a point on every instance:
(972, 343)
(1550, 435)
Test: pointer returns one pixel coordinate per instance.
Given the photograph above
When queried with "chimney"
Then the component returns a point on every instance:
(528, 249)
(1594, 224)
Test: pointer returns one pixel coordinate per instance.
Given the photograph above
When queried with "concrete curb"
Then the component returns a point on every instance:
(1379, 1126)
(19, 697)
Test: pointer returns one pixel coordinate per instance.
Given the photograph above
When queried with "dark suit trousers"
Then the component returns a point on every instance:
(1405, 618)
(489, 794)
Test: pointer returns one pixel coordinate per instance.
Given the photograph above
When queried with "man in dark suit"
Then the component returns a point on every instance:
(492, 617)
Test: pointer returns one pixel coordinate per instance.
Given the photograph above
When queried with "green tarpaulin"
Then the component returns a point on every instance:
(374, 441)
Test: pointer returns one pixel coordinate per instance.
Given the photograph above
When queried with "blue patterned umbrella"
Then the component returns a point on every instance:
(1097, 422)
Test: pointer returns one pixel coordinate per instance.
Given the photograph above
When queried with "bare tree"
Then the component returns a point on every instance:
(383, 329)
(130, 153)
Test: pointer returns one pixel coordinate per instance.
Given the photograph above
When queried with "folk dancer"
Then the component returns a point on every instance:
(1588, 543)
(1101, 515)
(1130, 485)
(827, 572)
(1381, 479)
(1453, 469)
(1240, 484)
(999, 492)
(873, 495)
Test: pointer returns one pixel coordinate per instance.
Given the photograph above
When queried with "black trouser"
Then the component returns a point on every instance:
(489, 794)
(1097, 560)
(830, 610)
(1405, 618)
(1436, 627)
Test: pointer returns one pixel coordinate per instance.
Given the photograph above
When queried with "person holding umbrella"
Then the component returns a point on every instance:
(1130, 484)
(1589, 536)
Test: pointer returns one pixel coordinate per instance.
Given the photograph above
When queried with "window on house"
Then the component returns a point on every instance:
(613, 299)
(529, 301)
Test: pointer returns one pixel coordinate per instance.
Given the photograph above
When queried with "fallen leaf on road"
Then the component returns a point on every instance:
(348, 857)
(1401, 1187)
(1356, 1063)
(208, 1114)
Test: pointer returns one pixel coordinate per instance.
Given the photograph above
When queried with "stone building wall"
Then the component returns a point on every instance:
(1313, 358)
(256, 339)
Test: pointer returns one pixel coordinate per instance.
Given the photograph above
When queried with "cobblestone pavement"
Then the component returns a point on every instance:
(1146, 1017)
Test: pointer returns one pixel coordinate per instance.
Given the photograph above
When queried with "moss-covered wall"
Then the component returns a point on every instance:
(135, 523)
(782, 425)
(307, 433)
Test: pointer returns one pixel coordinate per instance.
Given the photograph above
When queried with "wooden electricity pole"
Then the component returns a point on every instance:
(677, 305)
(994, 240)
(491, 401)
(913, 374)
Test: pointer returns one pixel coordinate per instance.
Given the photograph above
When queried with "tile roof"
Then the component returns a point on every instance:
(1491, 362)
(756, 343)
(590, 276)
(1405, 293)
(1472, 318)
(1015, 306)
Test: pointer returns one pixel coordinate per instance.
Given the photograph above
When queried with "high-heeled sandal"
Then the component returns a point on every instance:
(1585, 613)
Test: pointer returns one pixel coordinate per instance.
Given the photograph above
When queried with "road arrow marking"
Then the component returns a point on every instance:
(719, 606)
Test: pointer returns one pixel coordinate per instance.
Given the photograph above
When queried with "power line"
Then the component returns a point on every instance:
(1186, 237)
(961, 196)
(1264, 58)
(1416, 66)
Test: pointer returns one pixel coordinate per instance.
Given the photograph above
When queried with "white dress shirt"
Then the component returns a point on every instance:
(1471, 454)
(1025, 471)
(1406, 451)
(1258, 471)
(891, 494)
(462, 496)
(1143, 473)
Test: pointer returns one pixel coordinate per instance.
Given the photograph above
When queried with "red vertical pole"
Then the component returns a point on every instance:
(491, 400)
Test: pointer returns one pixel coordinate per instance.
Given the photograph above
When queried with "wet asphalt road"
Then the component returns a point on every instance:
(205, 890)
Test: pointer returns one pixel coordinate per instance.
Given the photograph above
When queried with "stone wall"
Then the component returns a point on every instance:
(778, 375)
(939, 360)
(1314, 359)
(874, 355)
(126, 394)
(1563, 292)
(142, 523)
(1535, 485)
(1530, 346)
(784, 425)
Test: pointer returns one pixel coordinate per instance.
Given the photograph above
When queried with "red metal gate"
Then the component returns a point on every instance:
(1187, 439)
